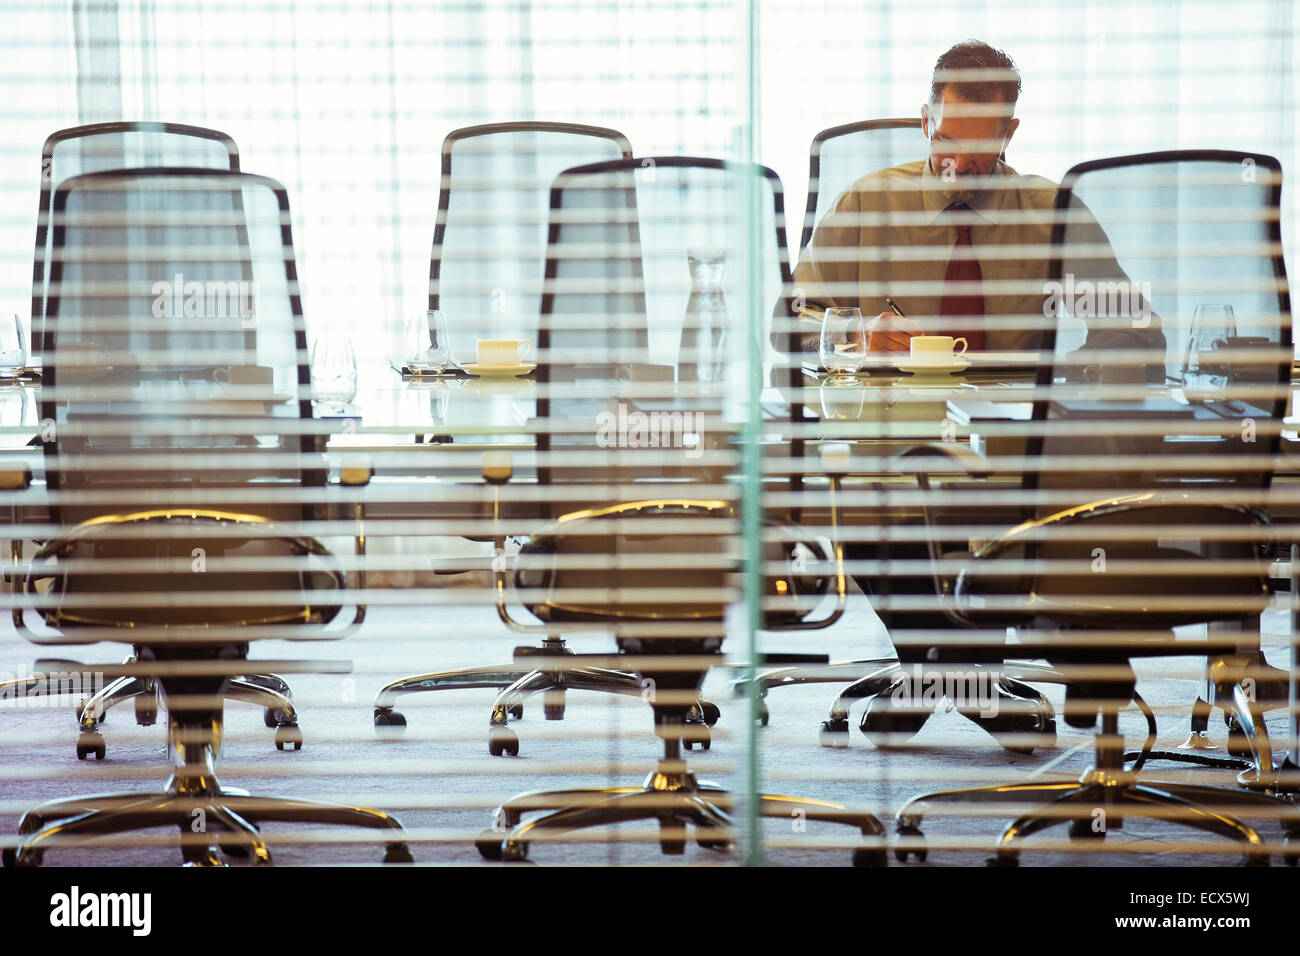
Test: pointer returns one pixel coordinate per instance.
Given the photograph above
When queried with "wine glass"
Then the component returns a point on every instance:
(334, 373)
(427, 351)
(1208, 362)
(843, 342)
(13, 347)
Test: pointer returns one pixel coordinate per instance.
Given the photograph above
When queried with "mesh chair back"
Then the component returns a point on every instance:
(634, 431)
(489, 244)
(842, 154)
(119, 145)
(1168, 456)
(177, 385)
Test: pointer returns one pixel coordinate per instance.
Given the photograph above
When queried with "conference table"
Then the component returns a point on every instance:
(425, 440)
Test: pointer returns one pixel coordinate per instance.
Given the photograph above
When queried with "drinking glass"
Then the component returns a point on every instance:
(1208, 362)
(843, 342)
(427, 351)
(334, 372)
(13, 347)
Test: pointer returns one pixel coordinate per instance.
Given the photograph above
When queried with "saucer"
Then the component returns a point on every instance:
(954, 365)
(511, 370)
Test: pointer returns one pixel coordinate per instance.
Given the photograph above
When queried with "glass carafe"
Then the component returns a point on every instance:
(704, 328)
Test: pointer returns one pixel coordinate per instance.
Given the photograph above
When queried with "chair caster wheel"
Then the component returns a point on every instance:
(1082, 830)
(1292, 854)
(710, 713)
(764, 715)
(1256, 859)
(1011, 859)
(236, 851)
(699, 734)
(90, 744)
(868, 856)
(398, 853)
(146, 711)
(549, 712)
(389, 724)
(268, 717)
(672, 847)
(1238, 743)
(834, 734)
(29, 857)
(489, 844)
(912, 852)
(711, 843)
(517, 712)
(502, 740)
(288, 735)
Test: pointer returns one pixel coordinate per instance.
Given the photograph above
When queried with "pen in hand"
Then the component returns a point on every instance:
(886, 335)
(893, 306)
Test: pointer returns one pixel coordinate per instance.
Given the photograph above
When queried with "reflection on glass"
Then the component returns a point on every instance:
(842, 400)
(843, 342)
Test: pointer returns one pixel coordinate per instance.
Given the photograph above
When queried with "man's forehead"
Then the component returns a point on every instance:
(954, 106)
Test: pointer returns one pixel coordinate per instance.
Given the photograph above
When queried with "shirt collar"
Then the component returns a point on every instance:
(984, 203)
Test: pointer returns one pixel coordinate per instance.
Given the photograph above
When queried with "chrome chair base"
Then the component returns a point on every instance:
(520, 680)
(267, 691)
(209, 816)
(1099, 801)
(673, 796)
(1022, 720)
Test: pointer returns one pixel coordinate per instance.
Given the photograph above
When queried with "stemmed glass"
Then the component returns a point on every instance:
(843, 347)
(1208, 362)
(13, 348)
(426, 342)
(334, 374)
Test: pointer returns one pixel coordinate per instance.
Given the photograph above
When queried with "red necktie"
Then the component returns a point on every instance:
(967, 301)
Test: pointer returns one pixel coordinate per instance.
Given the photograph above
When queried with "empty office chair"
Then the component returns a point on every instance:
(186, 475)
(841, 155)
(485, 274)
(489, 241)
(1144, 493)
(646, 515)
(88, 149)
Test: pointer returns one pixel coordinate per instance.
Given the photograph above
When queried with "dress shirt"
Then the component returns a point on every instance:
(891, 234)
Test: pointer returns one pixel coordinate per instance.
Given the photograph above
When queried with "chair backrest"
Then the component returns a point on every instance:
(489, 242)
(641, 455)
(177, 367)
(1163, 454)
(841, 155)
(178, 387)
(118, 145)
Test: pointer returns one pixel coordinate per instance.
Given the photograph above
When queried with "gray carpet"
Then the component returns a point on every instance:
(441, 782)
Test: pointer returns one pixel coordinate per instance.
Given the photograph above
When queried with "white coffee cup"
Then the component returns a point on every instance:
(502, 351)
(936, 349)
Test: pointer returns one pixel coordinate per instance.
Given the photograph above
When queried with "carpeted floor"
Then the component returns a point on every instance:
(442, 783)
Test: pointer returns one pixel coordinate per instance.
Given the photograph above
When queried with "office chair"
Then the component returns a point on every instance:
(644, 531)
(185, 474)
(72, 152)
(841, 155)
(485, 273)
(1145, 494)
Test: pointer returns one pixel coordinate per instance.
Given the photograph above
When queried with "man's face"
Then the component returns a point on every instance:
(966, 137)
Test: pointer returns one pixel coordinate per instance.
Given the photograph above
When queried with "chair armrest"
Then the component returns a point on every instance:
(961, 456)
(498, 468)
(836, 462)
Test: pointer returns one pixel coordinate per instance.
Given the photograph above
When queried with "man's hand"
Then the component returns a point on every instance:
(888, 332)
